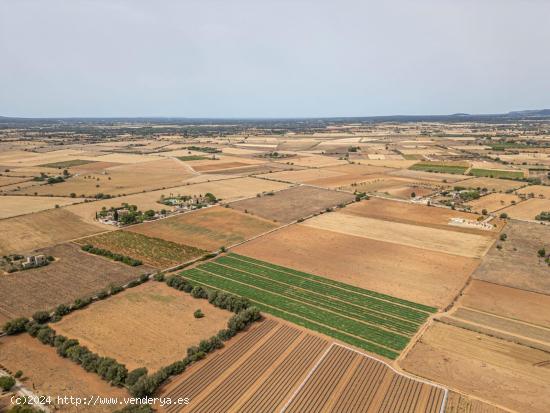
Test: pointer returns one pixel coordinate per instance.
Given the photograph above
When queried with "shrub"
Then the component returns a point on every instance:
(62, 310)
(198, 314)
(41, 317)
(199, 292)
(18, 374)
(134, 375)
(46, 335)
(504, 215)
(7, 382)
(541, 253)
(15, 326)
(81, 303)
(102, 294)
(503, 237)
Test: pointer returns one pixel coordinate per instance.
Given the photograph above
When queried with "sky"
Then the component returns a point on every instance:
(272, 58)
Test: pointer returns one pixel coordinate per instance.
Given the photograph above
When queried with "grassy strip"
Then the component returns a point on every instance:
(339, 335)
(492, 173)
(313, 298)
(428, 167)
(192, 158)
(338, 284)
(382, 337)
(67, 164)
(371, 303)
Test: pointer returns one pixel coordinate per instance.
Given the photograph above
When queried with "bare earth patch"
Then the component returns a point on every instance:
(208, 229)
(427, 277)
(73, 275)
(499, 371)
(48, 374)
(432, 239)
(291, 204)
(151, 325)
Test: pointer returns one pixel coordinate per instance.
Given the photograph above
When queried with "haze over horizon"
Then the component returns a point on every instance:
(292, 59)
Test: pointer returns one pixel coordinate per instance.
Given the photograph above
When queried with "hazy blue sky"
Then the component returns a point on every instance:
(272, 58)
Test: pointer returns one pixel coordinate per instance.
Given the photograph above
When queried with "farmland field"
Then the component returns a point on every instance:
(516, 264)
(415, 214)
(150, 325)
(492, 184)
(292, 204)
(375, 322)
(528, 209)
(48, 374)
(496, 173)
(536, 190)
(495, 370)
(67, 164)
(73, 275)
(439, 167)
(11, 206)
(118, 180)
(493, 202)
(433, 239)
(274, 367)
(208, 229)
(155, 252)
(423, 276)
(32, 231)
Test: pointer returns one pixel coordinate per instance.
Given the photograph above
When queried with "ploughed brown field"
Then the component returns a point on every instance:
(150, 325)
(207, 229)
(292, 204)
(74, 274)
(499, 371)
(416, 214)
(48, 374)
(278, 367)
(426, 277)
(32, 231)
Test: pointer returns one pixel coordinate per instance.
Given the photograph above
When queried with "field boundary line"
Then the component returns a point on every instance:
(403, 374)
(310, 373)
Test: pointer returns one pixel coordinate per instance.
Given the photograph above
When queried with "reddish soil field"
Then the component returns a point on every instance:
(151, 325)
(414, 274)
(292, 204)
(208, 229)
(46, 373)
(73, 275)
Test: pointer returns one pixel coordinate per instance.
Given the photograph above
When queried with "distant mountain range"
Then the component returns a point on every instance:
(539, 114)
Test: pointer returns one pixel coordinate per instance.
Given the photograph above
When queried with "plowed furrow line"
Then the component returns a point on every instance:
(230, 390)
(318, 389)
(277, 386)
(390, 394)
(362, 387)
(202, 377)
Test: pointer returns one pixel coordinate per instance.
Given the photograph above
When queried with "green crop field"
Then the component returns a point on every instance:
(66, 164)
(493, 173)
(438, 167)
(192, 158)
(375, 322)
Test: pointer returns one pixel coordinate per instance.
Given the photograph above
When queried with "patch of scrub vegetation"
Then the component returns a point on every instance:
(440, 167)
